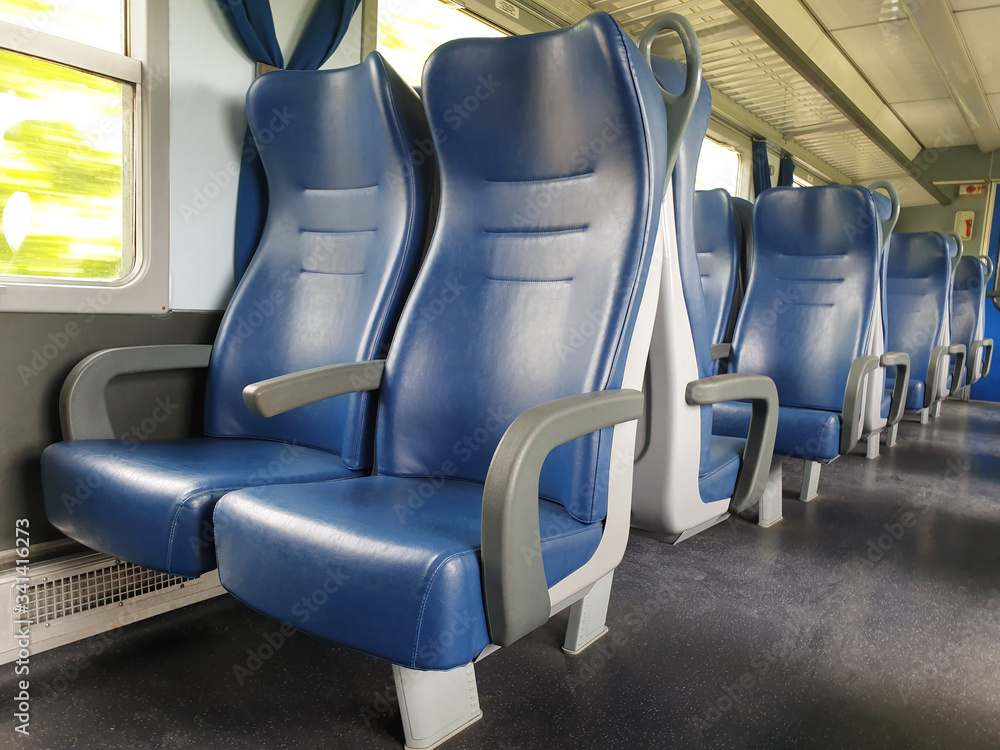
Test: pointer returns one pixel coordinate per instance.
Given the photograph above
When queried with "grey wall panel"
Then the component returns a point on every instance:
(38, 351)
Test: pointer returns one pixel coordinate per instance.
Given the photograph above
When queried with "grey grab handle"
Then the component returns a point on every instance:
(889, 224)
(990, 266)
(679, 107)
(961, 249)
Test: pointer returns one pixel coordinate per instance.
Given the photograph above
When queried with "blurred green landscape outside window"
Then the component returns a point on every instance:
(409, 30)
(65, 149)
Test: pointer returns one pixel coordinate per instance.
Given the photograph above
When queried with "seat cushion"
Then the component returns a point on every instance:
(811, 434)
(719, 481)
(388, 566)
(914, 393)
(151, 503)
(886, 404)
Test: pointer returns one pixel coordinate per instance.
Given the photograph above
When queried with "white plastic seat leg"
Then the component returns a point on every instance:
(769, 512)
(925, 416)
(936, 410)
(872, 443)
(588, 617)
(436, 706)
(810, 481)
(892, 436)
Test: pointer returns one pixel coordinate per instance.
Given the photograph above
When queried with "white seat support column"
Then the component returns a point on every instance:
(435, 706)
(810, 481)
(588, 617)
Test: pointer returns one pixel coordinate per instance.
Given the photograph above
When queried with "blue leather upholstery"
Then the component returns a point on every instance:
(886, 406)
(718, 481)
(917, 283)
(966, 305)
(671, 75)
(349, 196)
(349, 200)
(550, 199)
(812, 434)
(404, 554)
(808, 310)
(718, 236)
(151, 503)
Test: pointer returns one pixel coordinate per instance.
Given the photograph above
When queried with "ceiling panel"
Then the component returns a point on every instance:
(957, 5)
(842, 14)
(937, 123)
(747, 72)
(982, 36)
(893, 57)
(995, 103)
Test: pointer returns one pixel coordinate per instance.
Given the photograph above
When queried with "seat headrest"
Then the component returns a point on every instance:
(552, 155)
(921, 256)
(970, 275)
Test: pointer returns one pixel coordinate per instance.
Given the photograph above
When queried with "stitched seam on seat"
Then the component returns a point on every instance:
(427, 593)
(412, 190)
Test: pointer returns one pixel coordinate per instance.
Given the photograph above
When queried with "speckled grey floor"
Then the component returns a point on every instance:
(806, 635)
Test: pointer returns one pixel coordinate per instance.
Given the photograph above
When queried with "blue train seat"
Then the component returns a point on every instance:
(807, 320)
(686, 478)
(968, 311)
(507, 419)
(719, 240)
(884, 409)
(346, 228)
(918, 291)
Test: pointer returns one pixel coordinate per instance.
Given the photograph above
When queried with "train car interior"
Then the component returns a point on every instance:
(499, 374)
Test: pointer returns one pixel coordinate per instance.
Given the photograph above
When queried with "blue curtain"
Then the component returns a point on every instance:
(786, 171)
(254, 25)
(761, 169)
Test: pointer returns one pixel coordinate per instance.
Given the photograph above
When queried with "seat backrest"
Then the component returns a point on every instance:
(718, 236)
(809, 306)
(967, 300)
(350, 185)
(549, 208)
(917, 283)
(671, 75)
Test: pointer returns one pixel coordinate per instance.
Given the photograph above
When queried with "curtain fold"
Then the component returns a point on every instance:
(786, 171)
(254, 25)
(761, 168)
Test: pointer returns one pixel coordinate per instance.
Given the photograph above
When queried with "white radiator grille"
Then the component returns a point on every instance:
(67, 595)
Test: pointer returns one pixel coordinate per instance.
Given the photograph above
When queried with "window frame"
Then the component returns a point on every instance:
(144, 67)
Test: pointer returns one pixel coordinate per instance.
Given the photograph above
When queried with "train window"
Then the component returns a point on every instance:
(66, 141)
(718, 167)
(97, 23)
(409, 31)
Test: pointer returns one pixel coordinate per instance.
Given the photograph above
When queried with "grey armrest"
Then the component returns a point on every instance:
(514, 587)
(901, 361)
(959, 352)
(987, 346)
(268, 398)
(939, 357)
(83, 407)
(763, 395)
(857, 379)
(721, 351)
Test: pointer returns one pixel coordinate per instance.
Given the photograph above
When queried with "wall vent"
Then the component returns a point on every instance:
(76, 597)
